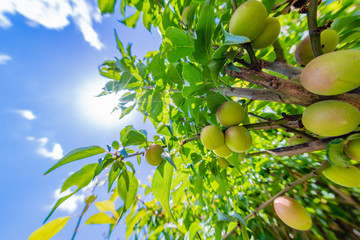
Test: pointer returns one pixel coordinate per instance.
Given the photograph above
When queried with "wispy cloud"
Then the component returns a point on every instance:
(55, 153)
(55, 14)
(72, 203)
(27, 114)
(3, 57)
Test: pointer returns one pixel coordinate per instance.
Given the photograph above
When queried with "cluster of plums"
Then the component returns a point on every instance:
(250, 20)
(235, 139)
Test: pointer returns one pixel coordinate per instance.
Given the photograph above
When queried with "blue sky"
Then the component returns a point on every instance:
(50, 51)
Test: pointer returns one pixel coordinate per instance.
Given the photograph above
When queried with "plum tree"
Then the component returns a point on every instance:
(178, 88)
(153, 155)
(223, 151)
(345, 176)
(328, 40)
(248, 20)
(268, 35)
(331, 118)
(332, 73)
(223, 163)
(238, 139)
(352, 149)
(212, 137)
(230, 113)
(292, 213)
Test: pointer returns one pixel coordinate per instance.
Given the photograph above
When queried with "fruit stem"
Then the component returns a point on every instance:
(234, 5)
(312, 26)
(314, 173)
(254, 62)
(279, 52)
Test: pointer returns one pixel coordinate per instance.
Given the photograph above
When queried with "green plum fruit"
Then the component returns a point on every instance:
(345, 176)
(332, 73)
(248, 20)
(238, 139)
(268, 35)
(352, 149)
(328, 40)
(212, 137)
(153, 155)
(292, 213)
(223, 151)
(296, 139)
(230, 114)
(331, 118)
(223, 163)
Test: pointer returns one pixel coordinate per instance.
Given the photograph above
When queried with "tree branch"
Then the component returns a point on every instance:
(282, 67)
(314, 173)
(284, 91)
(312, 25)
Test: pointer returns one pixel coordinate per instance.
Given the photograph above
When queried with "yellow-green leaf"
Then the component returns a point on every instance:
(48, 230)
(100, 218)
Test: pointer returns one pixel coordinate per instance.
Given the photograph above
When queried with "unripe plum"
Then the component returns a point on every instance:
(328, 40)
(296, 139)
(230, 114)
(268, 35)
(332, 73)
(238, 139)
(223, 151)
(352, 149)
(292, 213)
(331, 118)
(248, 20)
(223, 163)
(345, 176)
(212, 137)
(153, 154)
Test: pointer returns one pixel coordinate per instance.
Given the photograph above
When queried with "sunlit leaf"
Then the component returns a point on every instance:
(48, 230)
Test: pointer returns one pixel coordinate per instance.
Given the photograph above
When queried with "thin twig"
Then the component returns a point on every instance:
(279, 52)
(314, 173)
(234, 5)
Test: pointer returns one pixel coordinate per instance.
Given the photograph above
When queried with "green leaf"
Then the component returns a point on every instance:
(269, 4)
(80, 178)
(128, 194)
(130, 136)
(168, 158)
(214, 100)
(49, 230)
(193, 230)
(106, 6)
(238, 217)
(107, 206)
(335, 153)
(204, 31)
(192, 74)
(130, 223)
(100, 218)
(223, 217)
(219, 52)
(132, 20)
(181, 47)
(161, 186)
(198, 189)
(77, 154)
(231, 39)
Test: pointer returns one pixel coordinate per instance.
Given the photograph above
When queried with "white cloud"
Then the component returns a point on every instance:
(55, 14)
(3, 57)
(55, 153)
(27, 114)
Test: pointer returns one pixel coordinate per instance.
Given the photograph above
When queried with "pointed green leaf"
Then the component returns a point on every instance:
(77, 154)
(128, 194)
(193, 230)
(168, 158)
(100, 218)
(132, 20)
(223, 217)
(192, 74)
(49, 230)
(233, 39)
(335, 153)
(106, 6)
(80, 178)
(161, 186)
(181, 47)
(106, 206)
(130, 136)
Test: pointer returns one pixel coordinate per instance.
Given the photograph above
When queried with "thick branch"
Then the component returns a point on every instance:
(288, 92)
(301, 148)
(282, 67)
(251, 93)
(312, 25)
(314, 173)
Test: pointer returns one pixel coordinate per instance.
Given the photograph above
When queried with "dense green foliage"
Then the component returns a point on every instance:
(179, 88)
